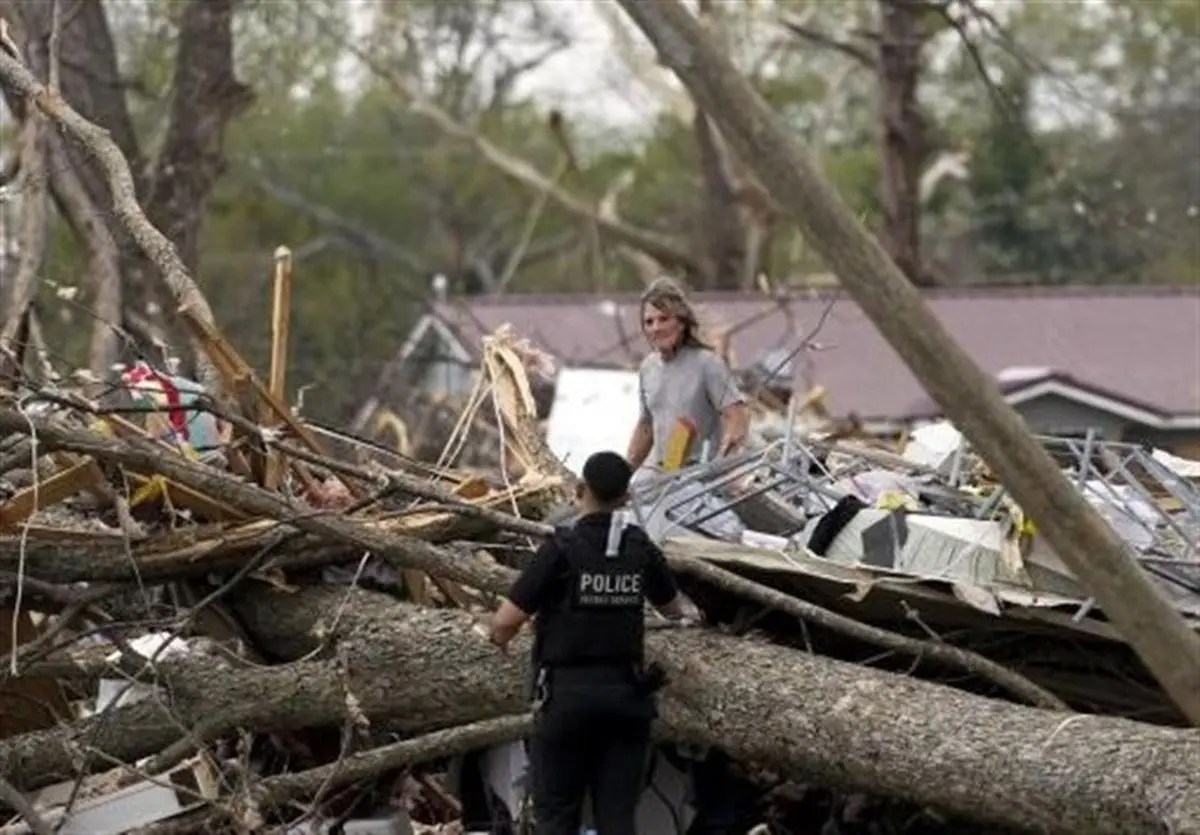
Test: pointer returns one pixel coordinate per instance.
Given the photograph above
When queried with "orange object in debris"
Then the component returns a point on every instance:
(679, 445)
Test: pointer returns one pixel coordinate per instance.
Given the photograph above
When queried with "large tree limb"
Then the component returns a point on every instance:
(839, 723)
(452, 741)
(401, 551)
(376, 244)
(1084, 541)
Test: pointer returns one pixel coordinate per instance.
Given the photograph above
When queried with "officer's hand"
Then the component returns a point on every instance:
(481, 629)
(692, 616)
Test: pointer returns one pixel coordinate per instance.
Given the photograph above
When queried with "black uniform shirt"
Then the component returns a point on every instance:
(545, 583)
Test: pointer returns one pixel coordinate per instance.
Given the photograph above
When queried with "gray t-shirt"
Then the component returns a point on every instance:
(695, 383)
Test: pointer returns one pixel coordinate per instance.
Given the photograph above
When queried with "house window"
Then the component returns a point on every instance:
(438, 368)
(449, 377)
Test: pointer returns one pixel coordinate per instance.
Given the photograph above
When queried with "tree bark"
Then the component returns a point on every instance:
(104, 260)
(1085, 542)
(31, 236)
(836, 723)
(205, 97)
(670, 254)
(197, 552)
(902, 142)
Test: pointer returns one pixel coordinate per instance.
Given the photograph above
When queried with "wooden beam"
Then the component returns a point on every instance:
(179, 496)
(281, 321)
(50, 491)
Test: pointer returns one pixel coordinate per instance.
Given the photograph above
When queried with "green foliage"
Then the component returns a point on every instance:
(1009, 171)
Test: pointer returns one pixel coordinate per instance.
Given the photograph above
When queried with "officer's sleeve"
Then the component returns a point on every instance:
(534, 588)
(661, 587)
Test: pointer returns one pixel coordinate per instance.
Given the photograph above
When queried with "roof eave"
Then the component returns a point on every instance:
(1118, 407)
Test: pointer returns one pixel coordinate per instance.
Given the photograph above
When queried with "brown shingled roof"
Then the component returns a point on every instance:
(1140, 343)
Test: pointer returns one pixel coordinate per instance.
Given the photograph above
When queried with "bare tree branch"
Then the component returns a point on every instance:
(375, 243)
(799, 27)
(103, 262)
(668, 253)
(18, 802)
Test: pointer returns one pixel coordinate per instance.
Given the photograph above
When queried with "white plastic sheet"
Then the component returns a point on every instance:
(593, 410)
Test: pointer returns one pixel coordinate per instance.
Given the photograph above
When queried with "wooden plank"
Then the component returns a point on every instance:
(99, 486)
(27, 704)
(50, 491)
(281, 319)
(54, 533)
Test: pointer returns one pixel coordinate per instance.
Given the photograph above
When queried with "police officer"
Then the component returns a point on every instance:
(593, 697)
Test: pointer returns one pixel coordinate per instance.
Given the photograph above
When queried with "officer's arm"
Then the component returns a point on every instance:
(527, 596)
(506, 623)
(663, 592)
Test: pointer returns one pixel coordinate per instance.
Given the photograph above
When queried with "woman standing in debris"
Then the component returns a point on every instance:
(691, 408)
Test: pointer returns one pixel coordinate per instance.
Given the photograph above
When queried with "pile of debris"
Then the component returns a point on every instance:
(217, 621)
(926, 536)
(136, 538)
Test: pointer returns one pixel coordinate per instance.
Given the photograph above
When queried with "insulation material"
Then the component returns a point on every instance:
(876, 485)
(934, 446)
(1180, 466)
(965, 551)
(157, 646)
(1131, 516)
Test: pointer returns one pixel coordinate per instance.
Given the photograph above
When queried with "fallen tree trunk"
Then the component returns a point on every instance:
(401, 551)
(197, 552)
(835, 723)
(184, 557)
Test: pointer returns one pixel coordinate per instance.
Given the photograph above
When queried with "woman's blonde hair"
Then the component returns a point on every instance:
(667, 296)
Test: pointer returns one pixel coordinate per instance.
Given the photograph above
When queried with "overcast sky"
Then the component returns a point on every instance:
(588, 79)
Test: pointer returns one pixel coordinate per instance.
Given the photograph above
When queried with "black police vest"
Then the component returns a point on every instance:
(599, 618)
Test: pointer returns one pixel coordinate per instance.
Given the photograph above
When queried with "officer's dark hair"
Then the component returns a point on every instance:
(607, 476)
